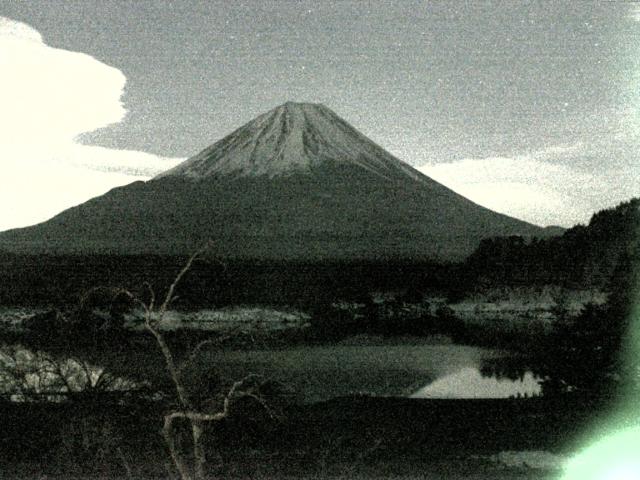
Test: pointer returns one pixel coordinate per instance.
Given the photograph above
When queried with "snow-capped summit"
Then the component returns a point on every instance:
(291, 138)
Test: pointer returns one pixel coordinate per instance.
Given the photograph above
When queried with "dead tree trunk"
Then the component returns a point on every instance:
(187, 411)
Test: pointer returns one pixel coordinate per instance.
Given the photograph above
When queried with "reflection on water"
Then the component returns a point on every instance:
(469, 382)
(26, 375)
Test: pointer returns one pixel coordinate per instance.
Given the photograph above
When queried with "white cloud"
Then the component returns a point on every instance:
(536, 187)
(48, 97)
(128, 162)
(19, 30)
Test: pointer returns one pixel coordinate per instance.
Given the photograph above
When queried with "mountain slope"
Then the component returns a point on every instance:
(295, 183)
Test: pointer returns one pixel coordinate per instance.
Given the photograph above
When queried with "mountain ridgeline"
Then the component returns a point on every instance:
(297, 183)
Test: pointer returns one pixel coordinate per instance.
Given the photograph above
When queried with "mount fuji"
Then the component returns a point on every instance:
(296, 183)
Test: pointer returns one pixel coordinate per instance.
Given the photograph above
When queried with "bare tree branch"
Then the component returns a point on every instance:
(153, 317)
(178, 278)
(152, 300)
(198, 348)
(169, 438)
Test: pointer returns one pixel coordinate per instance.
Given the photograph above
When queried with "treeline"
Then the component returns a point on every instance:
(595, 351)
(57, 281)
(584, 256)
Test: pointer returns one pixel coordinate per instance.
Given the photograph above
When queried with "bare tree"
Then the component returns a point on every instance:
(187, 410)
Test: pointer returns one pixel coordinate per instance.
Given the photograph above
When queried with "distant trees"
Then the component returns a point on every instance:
(596, 352)
(407, 313)
(592, 352)
(583, 255)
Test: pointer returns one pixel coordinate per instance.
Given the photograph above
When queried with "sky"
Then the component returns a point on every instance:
(529, 108)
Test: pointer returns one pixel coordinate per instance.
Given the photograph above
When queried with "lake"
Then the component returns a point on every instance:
(318, 373)
(419, 371)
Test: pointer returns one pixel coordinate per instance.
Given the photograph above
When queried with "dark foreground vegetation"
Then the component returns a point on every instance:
(347, 436)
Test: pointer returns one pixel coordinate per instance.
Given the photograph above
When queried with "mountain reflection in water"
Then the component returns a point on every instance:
(469, 382)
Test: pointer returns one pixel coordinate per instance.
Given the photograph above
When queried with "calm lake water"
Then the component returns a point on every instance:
(419, 371)
(312, 373)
